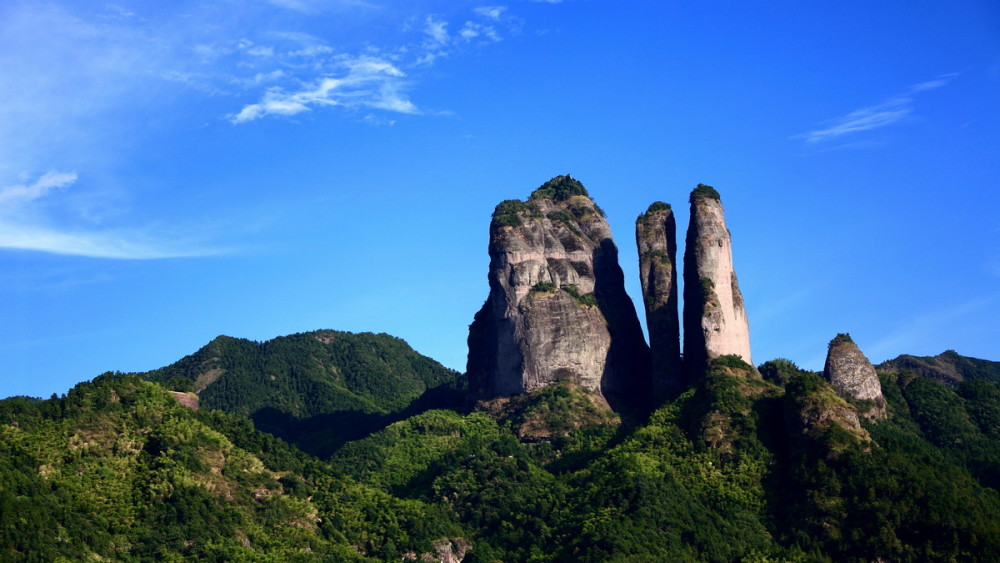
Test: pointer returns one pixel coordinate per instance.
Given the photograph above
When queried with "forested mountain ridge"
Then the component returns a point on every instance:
(737, 468)
(118, 470)
(947, 367)
(329, 445)
(316, 389)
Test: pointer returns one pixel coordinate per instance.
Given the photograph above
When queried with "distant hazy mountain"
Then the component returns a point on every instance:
(947, 367)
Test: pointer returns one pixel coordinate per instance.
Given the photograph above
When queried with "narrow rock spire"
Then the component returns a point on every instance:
(715, 319)
(656, 240)
(850, 373)
(557, 307)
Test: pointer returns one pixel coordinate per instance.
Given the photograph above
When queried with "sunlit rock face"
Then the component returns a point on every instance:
(557, 308)
(850, 373)
(715, 319)
(656, 241)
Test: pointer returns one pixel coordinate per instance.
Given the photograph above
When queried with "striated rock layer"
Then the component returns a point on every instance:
(715, 320)
(557, 308)
(656, 240)
(850, 373)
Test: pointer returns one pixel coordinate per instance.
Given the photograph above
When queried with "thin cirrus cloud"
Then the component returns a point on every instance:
(24, 225)
(893, 110)
(367, 82)
(317, 77)
(10, 196)
(78, 88)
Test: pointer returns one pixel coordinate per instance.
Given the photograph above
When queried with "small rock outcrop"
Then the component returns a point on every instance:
(656, 240)
(715, 319)
(850, 373)
(189, 400)
(557, 308)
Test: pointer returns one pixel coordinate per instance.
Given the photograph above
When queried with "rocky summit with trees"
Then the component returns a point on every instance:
(568, 439)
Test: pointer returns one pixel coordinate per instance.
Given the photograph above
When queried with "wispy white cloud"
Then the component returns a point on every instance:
(23, 193)
(473, 30)
(311, 75)
(122, 245)
(491, 12)
(366, 82)
(24, 225)
(892, 110)
(864, 119)
(88, 81)
(436, 30)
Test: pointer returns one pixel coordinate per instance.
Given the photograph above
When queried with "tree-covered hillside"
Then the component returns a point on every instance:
(746, 465)
(118, 470)
(947, 367)
(737, 468)
(316, 389)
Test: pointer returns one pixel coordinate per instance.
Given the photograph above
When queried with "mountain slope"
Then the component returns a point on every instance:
(117, 469)
(316, 389)
(735, 468)
(947, 367)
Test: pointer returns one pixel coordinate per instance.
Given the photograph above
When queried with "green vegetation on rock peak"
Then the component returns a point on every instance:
(703, 191)
(658, 206)
(841, 338)
(508, 213)
(559, 188)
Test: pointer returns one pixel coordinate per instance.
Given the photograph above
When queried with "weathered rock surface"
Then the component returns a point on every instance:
(715, 319)
(850, 373)
(557, 308)
(656, 240)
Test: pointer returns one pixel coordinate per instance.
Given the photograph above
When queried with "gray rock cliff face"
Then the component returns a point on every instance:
(557, 308)
(656, 240)
(715, 319)
(850, 373)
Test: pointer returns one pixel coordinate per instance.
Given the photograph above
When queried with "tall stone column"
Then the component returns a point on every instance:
(656, 240)
(715, 318)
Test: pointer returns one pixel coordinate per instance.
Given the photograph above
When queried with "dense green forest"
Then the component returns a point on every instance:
(738, 468)
(316, 390)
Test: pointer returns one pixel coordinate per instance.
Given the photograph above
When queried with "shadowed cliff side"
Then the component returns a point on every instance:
(557, 308)
(656, 240)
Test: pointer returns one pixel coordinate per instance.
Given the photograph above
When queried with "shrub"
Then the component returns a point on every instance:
(658, 206)
(586, 299)
(732, 361)
(841, 338)
(559, 188)
(704, 191)
(544, 287)
(508, 213)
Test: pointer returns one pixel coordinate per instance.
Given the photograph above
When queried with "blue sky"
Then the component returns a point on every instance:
(174, 171)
